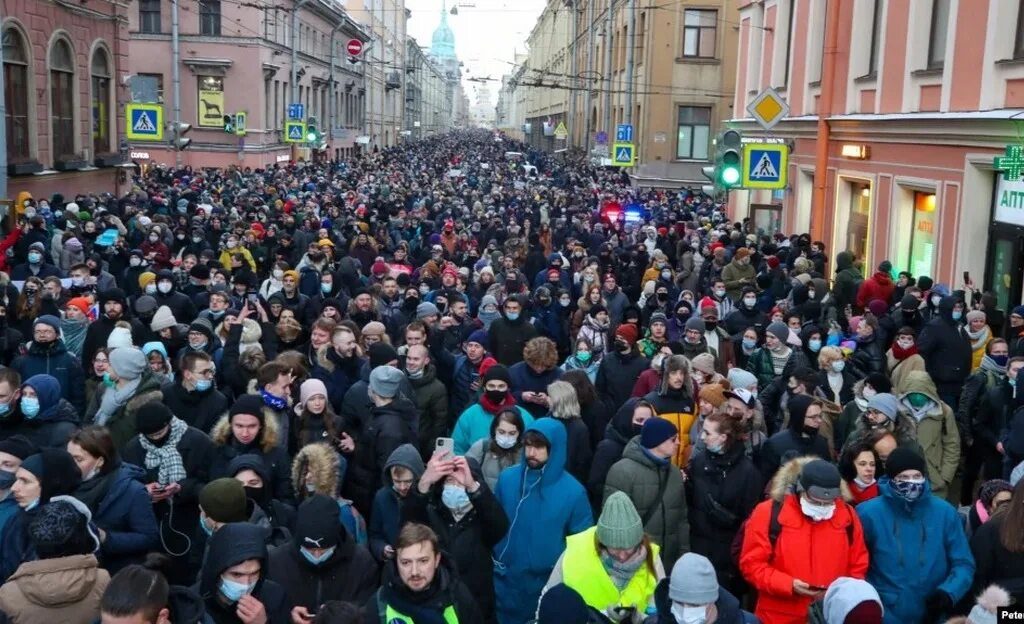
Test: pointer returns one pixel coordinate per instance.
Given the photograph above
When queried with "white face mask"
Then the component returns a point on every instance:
(936, 299)
(750, 301)
(869, 392)
(689, 615)
(817, 513)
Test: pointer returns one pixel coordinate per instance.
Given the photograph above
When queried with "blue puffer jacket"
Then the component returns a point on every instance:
(126, 515)
(544, 506)
(915, 550)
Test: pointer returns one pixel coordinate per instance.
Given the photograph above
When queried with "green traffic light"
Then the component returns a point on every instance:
(730, 176)
(311, 136)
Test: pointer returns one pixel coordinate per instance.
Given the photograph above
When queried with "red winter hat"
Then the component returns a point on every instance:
(627, 332)
(379, 267)
(772, 261)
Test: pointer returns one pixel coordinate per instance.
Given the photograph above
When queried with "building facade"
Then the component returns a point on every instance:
(894, 136)
(384, 65)
(237, 58)
(673, 64)
(62, 90)
(543, 83)
(428, 105)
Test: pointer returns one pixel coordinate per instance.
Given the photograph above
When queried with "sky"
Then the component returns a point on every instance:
(488, 33)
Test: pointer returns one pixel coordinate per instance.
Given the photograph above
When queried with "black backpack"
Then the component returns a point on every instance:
(774, 528)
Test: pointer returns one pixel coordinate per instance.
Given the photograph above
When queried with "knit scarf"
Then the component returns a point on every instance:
(492, 408)
(166, 456)
(74, 334)
(979, 338)
(488, 317)
(988, 364)
(622, 572)
(901, 354)
(113, 399)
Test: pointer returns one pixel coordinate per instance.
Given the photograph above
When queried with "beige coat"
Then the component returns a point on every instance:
(66, 590)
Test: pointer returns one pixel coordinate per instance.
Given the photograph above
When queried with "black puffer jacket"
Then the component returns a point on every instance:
(383, 430)
(946, 349)
(617, 375)
(617, 434)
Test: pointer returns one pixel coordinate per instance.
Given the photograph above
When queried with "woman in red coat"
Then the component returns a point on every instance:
(800, 540)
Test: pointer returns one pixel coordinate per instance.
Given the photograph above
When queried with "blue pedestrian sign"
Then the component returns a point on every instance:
(296, 111)
(624, 133)
(764, 166)
(145, 122)
(295, 132)
(623, 154)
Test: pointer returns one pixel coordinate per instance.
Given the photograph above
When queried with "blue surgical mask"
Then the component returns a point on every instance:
(512, 316)
(108, 381)
(317, 560)
(957, 315)
(909, 489)
(35, 258)
(205, 527)
(814, 344)
(454, 497)
(30, 407)
(749, 343)
(325, 288)
(233, 591)
(5, 409)
(202, 385)
(32, 505)
(838, 366)
(506, 441)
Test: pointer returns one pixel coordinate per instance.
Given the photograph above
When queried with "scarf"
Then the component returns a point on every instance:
(979, 338)
(74, 334)
(901, 354)
(622, 572)
(166, 456)
(919, 413)
(113, 399)
(93, 491)
(273, 401)
(988, 364)
(488, 317)
(493, 408)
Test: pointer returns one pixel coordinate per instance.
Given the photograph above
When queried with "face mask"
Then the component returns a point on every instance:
(164, 287)
(326, 288)
(150, 289)
(454, 497)
(816, 513)
(135, 262)
(838, 366)
(1000, 360)
(689, 615)
(710, 325)
(749, 343)
(565, 301)
(233, 591)
(583, 356)
(278, 274)
(512, 316)
(202, 385)
(814, 344)
(197, 239)
(6, 479)
(154, 238)
(869, 392)
(917, 400)
(905, 344)
(957, 315)
(206, 529)
(32, 505)
(415, 374)
(505, 441)
(92, 473)
(108, 381)
(909, 489)
(35, 258)
(197, 345)
(317, 560)
(424, 289)
(30, 406)
(495, 396)
(232, 244)
(715, 448)
(750, 302)
(935, 300)
(719, 293)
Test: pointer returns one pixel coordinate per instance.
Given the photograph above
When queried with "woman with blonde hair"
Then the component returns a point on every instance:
(834, 379)
(564, 407)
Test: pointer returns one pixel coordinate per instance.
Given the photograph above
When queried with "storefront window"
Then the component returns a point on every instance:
(860, 213)
(1001, 271)
(922, 236)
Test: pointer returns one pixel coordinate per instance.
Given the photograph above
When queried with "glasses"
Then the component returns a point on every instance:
(208, 373)
(100, 360)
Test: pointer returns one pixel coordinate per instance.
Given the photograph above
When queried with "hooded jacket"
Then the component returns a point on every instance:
(679, 408)
(65, 589)
(609, 450)
(122, 422)
(386, 517)
(201, 410)
(936, 432)
(507, 338)
(642, 479)
(945, 347)
(536, 536)
(848, 280)
(432, 403)
(814, 552)
(916, 549)
(525, 379)
(879, 286)
(180, 305)
(57, 418)
(125, 513)
(790, 443)
(617, 375)
(266, 446)
(230, 545)
(54, 359)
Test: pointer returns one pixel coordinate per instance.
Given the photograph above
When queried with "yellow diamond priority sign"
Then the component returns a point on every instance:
(768, 108)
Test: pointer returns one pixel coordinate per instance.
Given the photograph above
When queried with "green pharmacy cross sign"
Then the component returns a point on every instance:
(1012, 164)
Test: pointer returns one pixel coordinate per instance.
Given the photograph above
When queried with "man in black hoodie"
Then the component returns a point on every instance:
(619, 370)
(233, 582)
(800, 439)
(322, 562)
(510, 333)
(193, 395)
(167, 295)
(421, 584)
(946, 350)
(114, 307)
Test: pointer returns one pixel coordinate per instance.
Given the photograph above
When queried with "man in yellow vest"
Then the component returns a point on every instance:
(420, 585)
(614, 566)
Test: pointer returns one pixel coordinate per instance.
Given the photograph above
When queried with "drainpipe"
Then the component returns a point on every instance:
(590, 74)
(573, 70)
(176, 75)
(332, 96)
(608, 38)
(828, 74)
(630, 46)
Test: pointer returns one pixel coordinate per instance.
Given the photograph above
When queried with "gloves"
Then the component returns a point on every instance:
(936, 604)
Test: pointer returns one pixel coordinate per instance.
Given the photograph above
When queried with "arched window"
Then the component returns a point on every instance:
(16, 95)
(62, 99)
(100, 69)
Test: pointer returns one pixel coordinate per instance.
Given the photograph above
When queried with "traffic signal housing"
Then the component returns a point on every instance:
(179, 130)
(229, 124)
(728, 159)
(314, 136)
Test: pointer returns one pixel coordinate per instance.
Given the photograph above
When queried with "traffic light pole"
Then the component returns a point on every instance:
(175, 76)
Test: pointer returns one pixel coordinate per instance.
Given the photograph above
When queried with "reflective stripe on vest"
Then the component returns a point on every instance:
(394, 617)
(582, 570)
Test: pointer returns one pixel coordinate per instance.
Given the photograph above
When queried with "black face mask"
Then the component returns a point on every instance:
(710, 325)
(495, 396)
(809, 431)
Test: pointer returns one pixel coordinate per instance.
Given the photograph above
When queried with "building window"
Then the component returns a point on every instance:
(209, 17)
(940, 26)
(640, 34)
(789, 41)
(62, 100)
(148, 88)
(922, 237)
(693, 132)
(149, 16)
(16, 95)
(699, 26)
(876, 38)
(100, 69)
(1018, 41)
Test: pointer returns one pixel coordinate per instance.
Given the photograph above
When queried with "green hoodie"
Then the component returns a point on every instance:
(937, 432)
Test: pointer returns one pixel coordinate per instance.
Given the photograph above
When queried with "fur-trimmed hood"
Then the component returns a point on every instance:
(322, 461)
(785, 479)
(269, 433)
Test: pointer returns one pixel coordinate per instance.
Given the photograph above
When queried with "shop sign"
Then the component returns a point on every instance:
(1009, 201)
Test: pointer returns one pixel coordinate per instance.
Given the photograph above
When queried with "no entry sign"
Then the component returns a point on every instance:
(354, 47)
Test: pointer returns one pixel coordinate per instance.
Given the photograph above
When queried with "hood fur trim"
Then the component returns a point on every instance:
(322, 461)
(785, 479)
(269, 435)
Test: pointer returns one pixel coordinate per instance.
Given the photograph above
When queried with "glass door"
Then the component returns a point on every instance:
(1004, 274)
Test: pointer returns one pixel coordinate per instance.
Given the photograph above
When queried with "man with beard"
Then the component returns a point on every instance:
(421, 584)
(114, 308)
(339, 366)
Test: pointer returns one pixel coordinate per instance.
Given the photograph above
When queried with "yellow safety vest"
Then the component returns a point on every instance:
(394, 617)
(582, 570)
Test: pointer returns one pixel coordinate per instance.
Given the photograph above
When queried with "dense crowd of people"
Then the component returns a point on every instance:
(433, 385)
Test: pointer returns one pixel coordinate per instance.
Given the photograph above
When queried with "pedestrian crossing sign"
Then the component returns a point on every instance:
(764, 165)
(623, 154)
(145, 122)
(295, 131)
